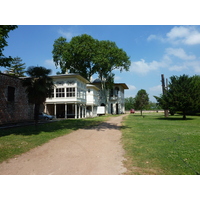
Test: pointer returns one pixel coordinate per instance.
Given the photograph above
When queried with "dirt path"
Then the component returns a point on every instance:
(94, 151)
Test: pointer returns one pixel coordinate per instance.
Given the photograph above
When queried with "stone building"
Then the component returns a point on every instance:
(14, 106)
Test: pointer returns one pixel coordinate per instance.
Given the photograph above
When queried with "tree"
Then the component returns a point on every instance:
(141, 100)
(38, 87)
(17, 67)
(4, 30)
(129, 103)
(183, 94)
(87, 56)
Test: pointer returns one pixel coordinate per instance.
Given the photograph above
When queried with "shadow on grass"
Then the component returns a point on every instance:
(59, 126)
(69, 124)
(174, 118)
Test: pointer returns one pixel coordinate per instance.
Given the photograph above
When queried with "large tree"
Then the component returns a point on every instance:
(87, 56)
(4, 30)
(183, 94)
(141, 100)
(38, 87)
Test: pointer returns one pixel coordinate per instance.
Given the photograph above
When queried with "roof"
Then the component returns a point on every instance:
(92, 86)
(122, 84)
(71, 75)
(98, 81)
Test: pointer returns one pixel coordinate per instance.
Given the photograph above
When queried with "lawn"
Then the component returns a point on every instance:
(15, 141)
(158, 145)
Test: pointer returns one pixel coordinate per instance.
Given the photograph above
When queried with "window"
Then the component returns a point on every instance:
(11, 93)
(52, 93)
(60, 92)
(70, 92)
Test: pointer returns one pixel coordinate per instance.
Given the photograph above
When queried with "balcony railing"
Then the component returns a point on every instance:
(113, 98)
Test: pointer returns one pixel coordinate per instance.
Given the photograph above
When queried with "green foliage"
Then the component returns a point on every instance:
(129, 103)
(141, 100)
(38, 86)
(16, 68)
(4, 30)
(163, 146)
(183, 94)
(87, 56)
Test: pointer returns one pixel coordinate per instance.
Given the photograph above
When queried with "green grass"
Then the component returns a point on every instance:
(15, 141)
(158, 145)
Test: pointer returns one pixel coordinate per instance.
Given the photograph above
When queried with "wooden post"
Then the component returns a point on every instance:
(164, 91)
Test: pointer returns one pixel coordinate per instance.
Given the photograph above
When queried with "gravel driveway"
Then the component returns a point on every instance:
(93, 151)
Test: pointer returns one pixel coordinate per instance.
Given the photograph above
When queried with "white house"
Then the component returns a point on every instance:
(92, 100)
(112, 99)
(68, 99)
(75, 97)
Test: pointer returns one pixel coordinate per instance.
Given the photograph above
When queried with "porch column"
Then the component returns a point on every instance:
(75, 111)
(84, 111)
(66, 110)
(45, 107)
(92, 110)
(79, 111)
(55, 110)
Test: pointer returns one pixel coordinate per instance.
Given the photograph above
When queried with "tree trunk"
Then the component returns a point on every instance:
(184, 115)
(36, 113)
(141, 112)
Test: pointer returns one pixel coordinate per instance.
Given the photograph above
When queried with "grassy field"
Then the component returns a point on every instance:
(158, 145)
(15, 141)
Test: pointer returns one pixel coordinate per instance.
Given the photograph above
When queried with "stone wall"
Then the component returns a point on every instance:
(14, 106)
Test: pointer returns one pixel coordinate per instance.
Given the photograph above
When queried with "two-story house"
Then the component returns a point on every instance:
(112, 99)
(75, 97)
(68, 98)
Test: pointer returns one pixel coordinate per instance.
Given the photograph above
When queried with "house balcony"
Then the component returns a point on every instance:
(113, 98)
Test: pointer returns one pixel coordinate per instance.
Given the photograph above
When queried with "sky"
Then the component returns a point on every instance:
(153, 50)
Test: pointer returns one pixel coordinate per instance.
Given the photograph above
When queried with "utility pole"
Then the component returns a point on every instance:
(164, 89)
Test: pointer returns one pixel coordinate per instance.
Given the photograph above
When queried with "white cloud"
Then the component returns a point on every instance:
(49, 63)
(178, 32)
(142, 67)
(117, 78)
(132, 87)
(66, 34)
(177, 68)
(180, 53)
(155, 37)
(184, 34)
(130, 91)
(188, 35)
(194, 64)
(69, 33)
(157, 88)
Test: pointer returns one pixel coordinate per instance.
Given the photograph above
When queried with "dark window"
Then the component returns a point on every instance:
(70, 92)
(11, 93)
(60, 92)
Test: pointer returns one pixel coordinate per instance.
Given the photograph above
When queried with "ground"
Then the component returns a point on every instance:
(93, 151)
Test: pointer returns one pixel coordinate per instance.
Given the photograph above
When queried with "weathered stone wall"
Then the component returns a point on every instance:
(18, 108)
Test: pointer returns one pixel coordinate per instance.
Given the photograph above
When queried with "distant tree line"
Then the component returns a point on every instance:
(140, 102)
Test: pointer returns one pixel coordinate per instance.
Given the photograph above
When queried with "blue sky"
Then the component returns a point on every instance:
(153, 50)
